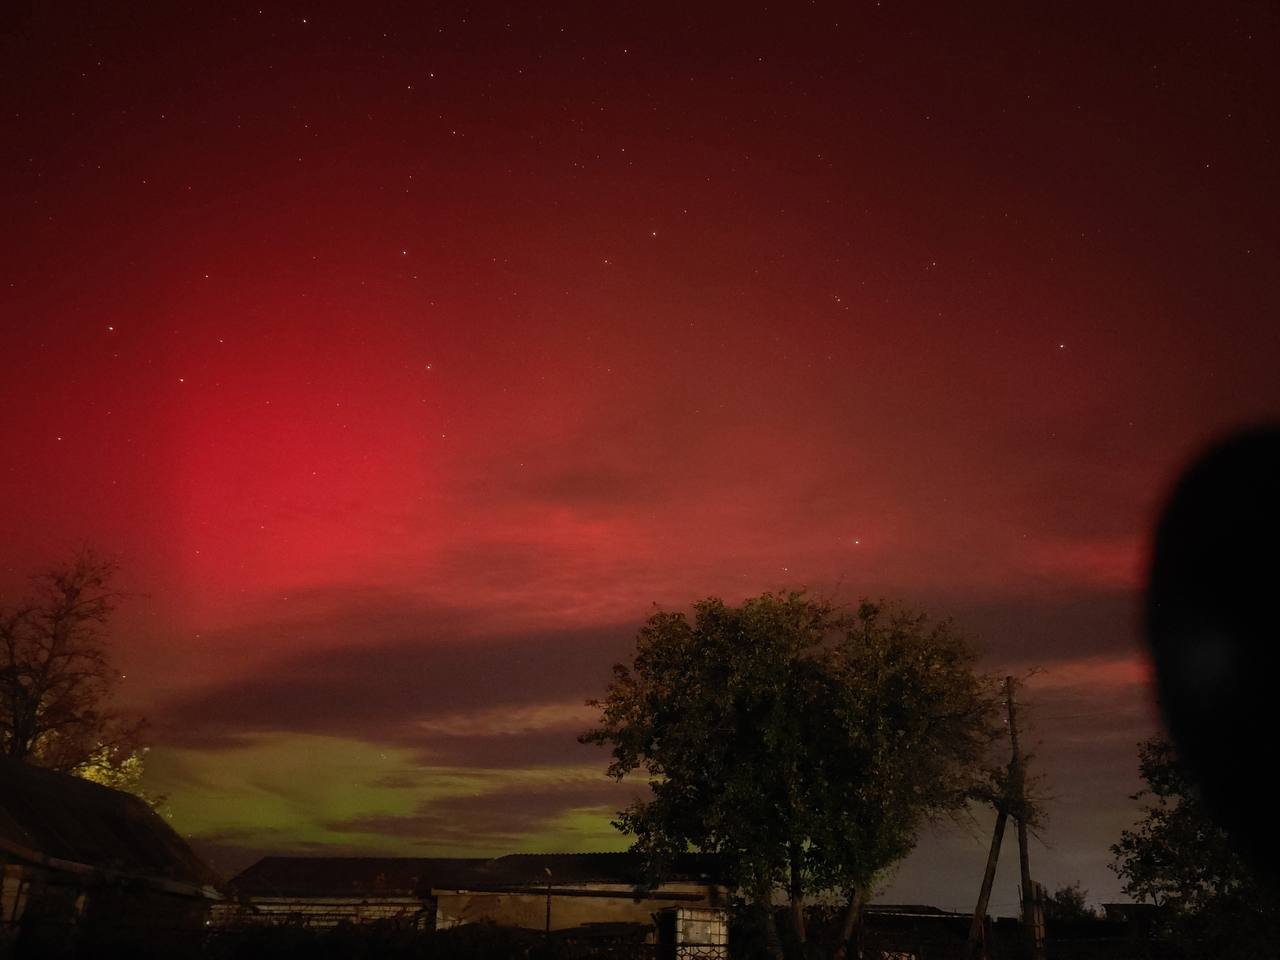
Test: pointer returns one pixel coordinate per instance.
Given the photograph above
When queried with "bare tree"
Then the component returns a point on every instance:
(55, 675)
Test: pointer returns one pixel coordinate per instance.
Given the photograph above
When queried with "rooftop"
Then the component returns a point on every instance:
(48, 816)
(360, 876)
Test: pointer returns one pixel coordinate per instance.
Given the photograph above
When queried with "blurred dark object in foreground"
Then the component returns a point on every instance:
(1212, 624)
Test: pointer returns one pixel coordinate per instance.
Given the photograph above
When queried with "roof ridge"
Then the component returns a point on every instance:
(600, 853)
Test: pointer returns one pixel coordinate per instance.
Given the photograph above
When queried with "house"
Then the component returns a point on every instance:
(324, 891)
(570, 890)
(82, 862)
(1141, 915)
(573, 895)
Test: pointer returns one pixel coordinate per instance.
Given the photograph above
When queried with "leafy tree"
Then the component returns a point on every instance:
(55, 675)
(803, 747)
(119, 767)
(1068, 904)
(1178, 858)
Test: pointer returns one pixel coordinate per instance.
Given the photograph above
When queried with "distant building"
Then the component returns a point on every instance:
(324, 891)
(1137, 920)
(83, 861)
(914, 930)
(1142, 914)
(589, 894)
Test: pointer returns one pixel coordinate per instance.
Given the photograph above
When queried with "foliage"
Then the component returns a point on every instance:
(1068, 904)
(1020, 796)
(1178, 858)
(120, 768)
(913, 724)
(803, 747)
(55, 675)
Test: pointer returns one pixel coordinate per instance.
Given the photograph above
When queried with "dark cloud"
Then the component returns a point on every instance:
(587, 487)
(1042, 630)
(378, 690)
(558, 747)
(431, 662)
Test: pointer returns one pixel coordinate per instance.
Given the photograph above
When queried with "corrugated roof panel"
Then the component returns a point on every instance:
(64, 817)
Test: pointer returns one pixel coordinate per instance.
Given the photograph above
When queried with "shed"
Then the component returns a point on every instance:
(324, 891)
(79, 860)
(575, 895)
(562, 891)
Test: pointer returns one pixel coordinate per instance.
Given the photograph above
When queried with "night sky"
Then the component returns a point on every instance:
(406, 355)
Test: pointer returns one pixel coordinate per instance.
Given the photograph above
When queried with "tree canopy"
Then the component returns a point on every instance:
(1178, 858)
(1068, 904)
(56, 676)
(803, 746)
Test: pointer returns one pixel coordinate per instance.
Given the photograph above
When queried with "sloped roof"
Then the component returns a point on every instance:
(46, 816)
(521, 869)
(913, 909)
(373, 876)
(343, 876)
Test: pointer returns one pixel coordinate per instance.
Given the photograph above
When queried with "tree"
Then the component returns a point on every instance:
(120, 767)
(55, 675)
(803, 747)
(1068, 904)
(1179, 859)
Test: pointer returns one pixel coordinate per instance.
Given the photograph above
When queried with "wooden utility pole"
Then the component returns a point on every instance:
(1015, 800)
(547, 870)
(977, 929)
(1018, 789)
(976, 946)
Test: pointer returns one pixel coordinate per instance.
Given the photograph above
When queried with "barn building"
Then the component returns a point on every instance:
(80, 862)
(571, 894)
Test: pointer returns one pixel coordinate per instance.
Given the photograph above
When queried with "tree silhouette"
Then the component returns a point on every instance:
(56, 676)
(803, 747)
(1178, 858)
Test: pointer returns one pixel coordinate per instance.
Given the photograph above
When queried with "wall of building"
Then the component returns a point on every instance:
(589, 903)
(39, 910)
(45, 912)
(324, 911)
(573, 907)
(13, 892)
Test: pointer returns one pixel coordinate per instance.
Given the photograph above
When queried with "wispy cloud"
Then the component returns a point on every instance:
(1094, 675)
(513, 720)
(1111, 562)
